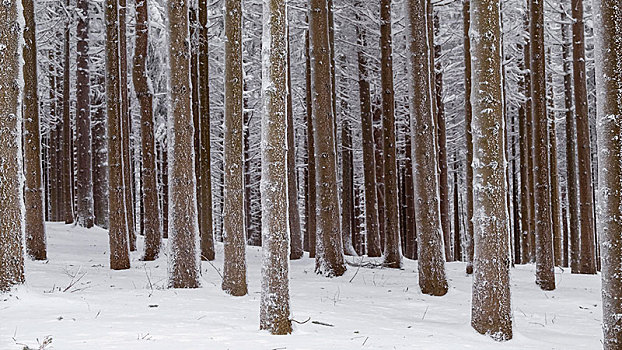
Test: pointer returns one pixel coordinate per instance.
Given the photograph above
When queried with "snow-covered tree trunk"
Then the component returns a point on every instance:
(234, 277)
(151, 222)
(491, 312)
(84, 179)
(545, 276)
(205, 225)
(11, 202)
(587, 256)
(119, 248)
(100, 154)
(33, 191)
(183, 231)
(608, 57)
(275, 314)
(392, 253)
(432, 279)
(311, 202)
(329, 259)
(470, 247)
(67, 134)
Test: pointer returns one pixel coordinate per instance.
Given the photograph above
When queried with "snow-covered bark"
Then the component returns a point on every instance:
(432, 279)
(234, 276)
(468, 115)
(11, 182)
(274, 312)
(67, 133)
(84, 178)
(33, 191)
(608, 57)
(545, 276)
(491, 311)
(329, 257)
(119, 248)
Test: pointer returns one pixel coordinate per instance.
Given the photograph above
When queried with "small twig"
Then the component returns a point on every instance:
(322, 324)
(220, 274)
(357, 270)
(303, 322)
(365, 341)
(425, 312)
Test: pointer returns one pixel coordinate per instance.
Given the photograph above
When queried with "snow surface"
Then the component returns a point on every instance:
(367, 308)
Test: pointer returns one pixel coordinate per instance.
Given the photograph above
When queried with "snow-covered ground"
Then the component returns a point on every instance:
(78, 302)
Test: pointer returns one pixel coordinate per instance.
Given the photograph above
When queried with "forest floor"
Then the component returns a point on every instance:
(77, 302)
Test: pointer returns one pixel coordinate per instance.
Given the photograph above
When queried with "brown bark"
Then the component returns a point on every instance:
(67, 134)
(432, 279)
(11, 220)
(205, 225)
(457, 238)
(379, 157)
(151, 209)
(234, 277)
(347, 190)
(119, 249)
(524, 177)
(33, 186)
(470, 243)
(517, 232)
(392, 254)
(587, 259)
(491, 312)
(311, 205)
(274, 309)
(545, 276)
(194, 99)
(84, 179)
(369, 160)
(53, 169)
(329, 258)
(295, 234)
(184, 268)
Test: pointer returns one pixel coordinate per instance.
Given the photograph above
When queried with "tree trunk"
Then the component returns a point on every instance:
(378, 143)
(67, 134)
(84, 185)
(457, 238)
(587, 260)
(609, 127)
(468, 116)
(432, 278)
(555, 191)
(184, 268)
(347, 191)
(274, 310)
(311, 207)
(100, 162)
(329, 259)
(206, 225)
(491, 313)
(119, 248)
(296, 251)
(33, 186)
(151, 222)
(545, 276)
(234, 280)
(11, 203)
(392, 254)
(53, 169)
(530, 141)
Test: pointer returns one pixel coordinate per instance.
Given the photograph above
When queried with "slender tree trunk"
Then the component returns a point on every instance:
(165, 192)
(274, 310)
(234, 280)
(516, 206)
(555, 191)
(431, 265)
(53, 170)
(587, 260)
(457, 238)
(545, 276)
(67, 134)
(409, 202)
(609, 128)
(11, 203)
(151, 221)
(571, 149)
(119, 248)
(392, 254)
(311, 184)
(491, 312)
(329, 259)
(470, 247)
(379, 146)
(33, 186)
(530, 141)
(100, 161)
(183, 230)
(295, 233)
(194, 98)
(347, 195)
(206, 225)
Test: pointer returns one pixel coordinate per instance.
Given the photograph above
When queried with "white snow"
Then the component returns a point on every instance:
(368, 308)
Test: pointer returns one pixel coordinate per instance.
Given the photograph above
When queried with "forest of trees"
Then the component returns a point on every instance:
(481, 131)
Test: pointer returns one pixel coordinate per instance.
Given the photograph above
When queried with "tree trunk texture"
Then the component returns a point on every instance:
(431, 265)
(119, 245)
(329, 258)
(491, 310)
(274, 310)
(545, 276)
(468, 116)
(311, 205)
(67, 134)
(33, 186)
(100, 162)
(234, 277)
